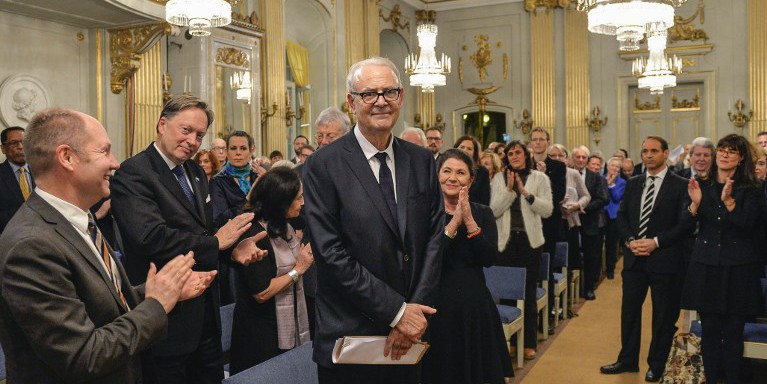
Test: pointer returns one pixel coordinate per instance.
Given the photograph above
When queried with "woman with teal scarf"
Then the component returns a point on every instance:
(228, 190)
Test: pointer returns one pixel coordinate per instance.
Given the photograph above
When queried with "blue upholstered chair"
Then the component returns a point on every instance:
(542, 293)
(508, 283)
(2, 365)
(294, 366)
(227, 317)
(560, 280)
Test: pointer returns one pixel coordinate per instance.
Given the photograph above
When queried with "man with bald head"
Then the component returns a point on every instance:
(219, 150)
(375, 214)
(67, 310)
(414, 135)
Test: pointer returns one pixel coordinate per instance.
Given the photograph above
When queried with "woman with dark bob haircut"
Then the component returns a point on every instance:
(520, 198)
(722, 281)
(467, 341)
(480, 189)
(270, 315)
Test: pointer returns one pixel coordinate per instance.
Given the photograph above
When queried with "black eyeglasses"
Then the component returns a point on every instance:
(13, 143)
(371, 97)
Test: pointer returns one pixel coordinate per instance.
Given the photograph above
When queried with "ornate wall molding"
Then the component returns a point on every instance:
(125, 46)
(394, 17)
(685, 30)
(532, 5)
(482, 57)
(232, 56)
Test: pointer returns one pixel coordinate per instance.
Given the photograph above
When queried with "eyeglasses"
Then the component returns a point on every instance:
(14, 143)
(218, 148)
(372, 97)
(727, 151)
(329, 136)
(433, 138)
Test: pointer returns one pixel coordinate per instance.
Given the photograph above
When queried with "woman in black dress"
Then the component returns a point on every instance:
(467, 341)
(270, 315)
(722, 281)
(480, 188)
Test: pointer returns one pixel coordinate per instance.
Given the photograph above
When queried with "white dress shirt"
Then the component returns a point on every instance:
(171, 165)
(15, 169)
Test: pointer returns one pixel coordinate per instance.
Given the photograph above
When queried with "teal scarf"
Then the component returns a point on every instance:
(242, 174)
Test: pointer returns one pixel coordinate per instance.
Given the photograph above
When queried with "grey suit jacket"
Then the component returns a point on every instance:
(61, 319)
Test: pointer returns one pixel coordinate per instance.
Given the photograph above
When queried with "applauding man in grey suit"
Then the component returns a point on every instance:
(68, 312)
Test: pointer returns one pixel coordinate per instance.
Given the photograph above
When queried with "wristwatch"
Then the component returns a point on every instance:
(294, 275)
(629, 240)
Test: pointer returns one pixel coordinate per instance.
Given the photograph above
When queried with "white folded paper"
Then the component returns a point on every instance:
(673, 157)
(370, 350)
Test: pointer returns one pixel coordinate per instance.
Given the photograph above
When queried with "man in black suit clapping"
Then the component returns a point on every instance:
(652, 223)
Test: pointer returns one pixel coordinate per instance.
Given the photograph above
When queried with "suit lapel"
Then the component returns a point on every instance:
(168, 179)
(70, 234)
(195, 181)
(402, 165)
(636, 203)
(361, 168)
(10, 181)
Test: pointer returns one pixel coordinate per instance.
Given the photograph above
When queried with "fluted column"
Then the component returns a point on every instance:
(544, 104)
(275, 130)
(362, 39)
(757, 67)
(577, 95)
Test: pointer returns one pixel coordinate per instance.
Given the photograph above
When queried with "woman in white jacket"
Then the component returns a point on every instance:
(520, 197)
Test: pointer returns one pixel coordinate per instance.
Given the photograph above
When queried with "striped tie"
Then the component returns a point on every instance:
(101, 245)
(649, 200)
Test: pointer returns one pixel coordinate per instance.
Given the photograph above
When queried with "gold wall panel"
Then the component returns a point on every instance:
(275, 131)
(577, 94)
(147, 101)
(757, 66)
(544, 102)
(362, 35)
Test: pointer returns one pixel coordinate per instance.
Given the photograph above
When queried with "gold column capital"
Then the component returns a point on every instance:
(532, 5)
(125, 45)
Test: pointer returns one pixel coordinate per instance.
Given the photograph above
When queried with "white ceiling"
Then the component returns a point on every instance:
(446, 5)
(80, 13)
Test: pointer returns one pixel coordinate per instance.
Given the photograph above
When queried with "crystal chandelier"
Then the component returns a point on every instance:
(240, 83)
(658, 71)
(424, 69)
(629, 20)
(199, 15)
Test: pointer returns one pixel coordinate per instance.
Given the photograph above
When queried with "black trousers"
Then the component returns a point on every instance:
(722, 346)
(518, 253)
(591, 245)
(665, 293)
(612, 238)
(203, 366)
(368, 374)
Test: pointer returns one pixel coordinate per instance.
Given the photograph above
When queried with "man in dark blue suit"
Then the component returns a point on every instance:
(701, 155)
(375, 212)
(162, 207)
(14, 189)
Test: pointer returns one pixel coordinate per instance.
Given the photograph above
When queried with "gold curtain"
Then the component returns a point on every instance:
(298, 60)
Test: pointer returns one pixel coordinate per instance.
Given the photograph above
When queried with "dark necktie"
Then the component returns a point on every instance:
(101, 246)
(647, 204)
(387, 184)
(181, 177)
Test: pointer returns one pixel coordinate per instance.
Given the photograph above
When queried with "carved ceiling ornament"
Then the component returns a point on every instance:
(125, 46)
(532, 5)
(394, 17)
(685, 30)
(482, 57)
(232, 56)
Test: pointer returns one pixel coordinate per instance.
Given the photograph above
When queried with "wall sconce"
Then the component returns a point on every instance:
(740, 119)
(166, 83)
(265, 111)
(526, 124)
(596, 124)
(289, 114)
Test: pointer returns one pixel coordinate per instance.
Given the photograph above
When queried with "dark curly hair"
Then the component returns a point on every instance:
(744, 173)
(271, 198)
(528, 157)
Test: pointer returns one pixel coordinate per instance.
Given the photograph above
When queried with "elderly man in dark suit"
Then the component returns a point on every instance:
(592, 222)
(16, 182)
(162, 207)
(67, 310)
(374, 209)
(652, 222)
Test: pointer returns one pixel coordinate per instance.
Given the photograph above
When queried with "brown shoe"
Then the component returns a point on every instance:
(529, 353)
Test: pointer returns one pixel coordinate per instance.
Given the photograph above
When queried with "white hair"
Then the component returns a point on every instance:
(333, 115)
(284, 163)
(417, 131)
(582, 148)
(356, 70)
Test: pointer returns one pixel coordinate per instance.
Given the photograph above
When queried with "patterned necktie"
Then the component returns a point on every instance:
(101, 246)
(181, 177)
(387, 184)
(23, 184)
(647, 204)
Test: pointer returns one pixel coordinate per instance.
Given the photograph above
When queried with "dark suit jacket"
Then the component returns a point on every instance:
(729, 238)
(157, 223)
(640, 169)
(595, 217)
(368, 265)
(557, 173)
(669, 221)
(226, 198)
(61, 319)
(10, 194)
(685, 173)
(479, 192)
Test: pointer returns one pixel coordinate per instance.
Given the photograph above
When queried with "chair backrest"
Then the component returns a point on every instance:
(2, 363)
(506, 282)
(294, 366)
(543, 271)
(560, 255)
(227, 317)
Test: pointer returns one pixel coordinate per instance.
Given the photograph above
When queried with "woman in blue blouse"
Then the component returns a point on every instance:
(615, 185)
